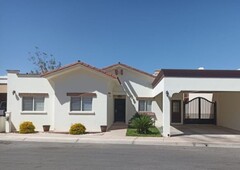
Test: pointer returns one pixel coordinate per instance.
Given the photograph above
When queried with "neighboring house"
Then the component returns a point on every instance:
(3, 100)
(100, 97)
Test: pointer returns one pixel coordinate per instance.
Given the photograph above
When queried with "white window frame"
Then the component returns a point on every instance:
(33, 110)
(81, 105)
(146, 102)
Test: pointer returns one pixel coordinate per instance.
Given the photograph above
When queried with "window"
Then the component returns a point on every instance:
(81, 103)
(145, 105)
(33, 104)
(176, 106)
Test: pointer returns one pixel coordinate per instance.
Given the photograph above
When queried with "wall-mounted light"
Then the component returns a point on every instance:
(109, 94)
(167, 93)
(13, 92)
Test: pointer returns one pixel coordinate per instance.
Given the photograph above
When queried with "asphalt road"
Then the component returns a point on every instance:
(58, 156)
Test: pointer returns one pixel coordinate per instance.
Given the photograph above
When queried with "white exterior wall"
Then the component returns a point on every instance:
(176, 85)
(201, 84)
(81, 80)
(14, 102)
(57, 104)
(164, 120)
(157, 108)
(131, 108)
(110, 111)
(110, 105)
(135, 85)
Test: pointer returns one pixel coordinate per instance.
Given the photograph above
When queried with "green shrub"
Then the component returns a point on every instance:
(142, 123)
(77, 129)
(26, 127)
(135, 116)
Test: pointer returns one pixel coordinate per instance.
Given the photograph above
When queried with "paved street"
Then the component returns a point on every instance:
(58, 156)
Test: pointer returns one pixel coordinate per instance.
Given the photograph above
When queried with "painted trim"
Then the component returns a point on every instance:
(74, 94)
(145, 98)
(82, 113)
(79, 63)
(128, 67)
(33, 94)
(33, 112)
(184, 73)
(28, 75)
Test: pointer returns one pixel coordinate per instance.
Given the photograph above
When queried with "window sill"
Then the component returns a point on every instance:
(33, 112)
(82, 113)
(145, 112)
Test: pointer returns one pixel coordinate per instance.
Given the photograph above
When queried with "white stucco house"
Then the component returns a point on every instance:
(99, 97)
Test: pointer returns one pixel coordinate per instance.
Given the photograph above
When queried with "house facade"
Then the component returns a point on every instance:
(99, 97)
(3, 99)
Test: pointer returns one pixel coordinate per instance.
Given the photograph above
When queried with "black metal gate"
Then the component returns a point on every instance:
(199, 111)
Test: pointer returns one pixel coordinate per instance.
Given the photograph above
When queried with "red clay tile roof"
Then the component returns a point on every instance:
(129, 67)
(82, 64)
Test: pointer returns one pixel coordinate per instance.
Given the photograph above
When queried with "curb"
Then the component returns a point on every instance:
(134, 141)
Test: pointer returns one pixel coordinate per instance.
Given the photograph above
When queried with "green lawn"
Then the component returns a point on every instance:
(153, 132)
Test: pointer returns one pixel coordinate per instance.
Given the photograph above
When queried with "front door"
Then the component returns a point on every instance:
(176, 111)
(119, 110)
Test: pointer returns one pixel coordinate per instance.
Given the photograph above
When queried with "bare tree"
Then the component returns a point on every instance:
(43, 62)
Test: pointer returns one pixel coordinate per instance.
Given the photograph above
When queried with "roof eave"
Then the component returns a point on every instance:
(187, 73)
(128, 67)
(74, 65)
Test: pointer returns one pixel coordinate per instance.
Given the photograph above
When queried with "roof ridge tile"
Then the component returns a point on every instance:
(81, 63)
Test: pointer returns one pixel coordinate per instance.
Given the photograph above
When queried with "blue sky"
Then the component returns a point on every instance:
(146, 34)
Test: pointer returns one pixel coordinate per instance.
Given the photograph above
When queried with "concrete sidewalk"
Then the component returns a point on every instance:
(230, 141)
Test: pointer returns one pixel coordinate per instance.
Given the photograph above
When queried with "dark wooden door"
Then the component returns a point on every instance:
(119, 110)
(176, 111)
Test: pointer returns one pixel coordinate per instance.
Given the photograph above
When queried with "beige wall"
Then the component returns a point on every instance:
(3, 88)
(228, 109)
(2, 124)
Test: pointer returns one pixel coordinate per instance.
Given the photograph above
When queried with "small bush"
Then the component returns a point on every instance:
(26, 127)
(142, 123)
(77, 129)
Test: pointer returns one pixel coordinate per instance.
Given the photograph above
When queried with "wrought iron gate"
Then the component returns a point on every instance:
(199, 111)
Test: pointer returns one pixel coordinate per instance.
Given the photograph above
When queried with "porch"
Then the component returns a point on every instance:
(200, 129)
(204, 134)
(221, 108)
